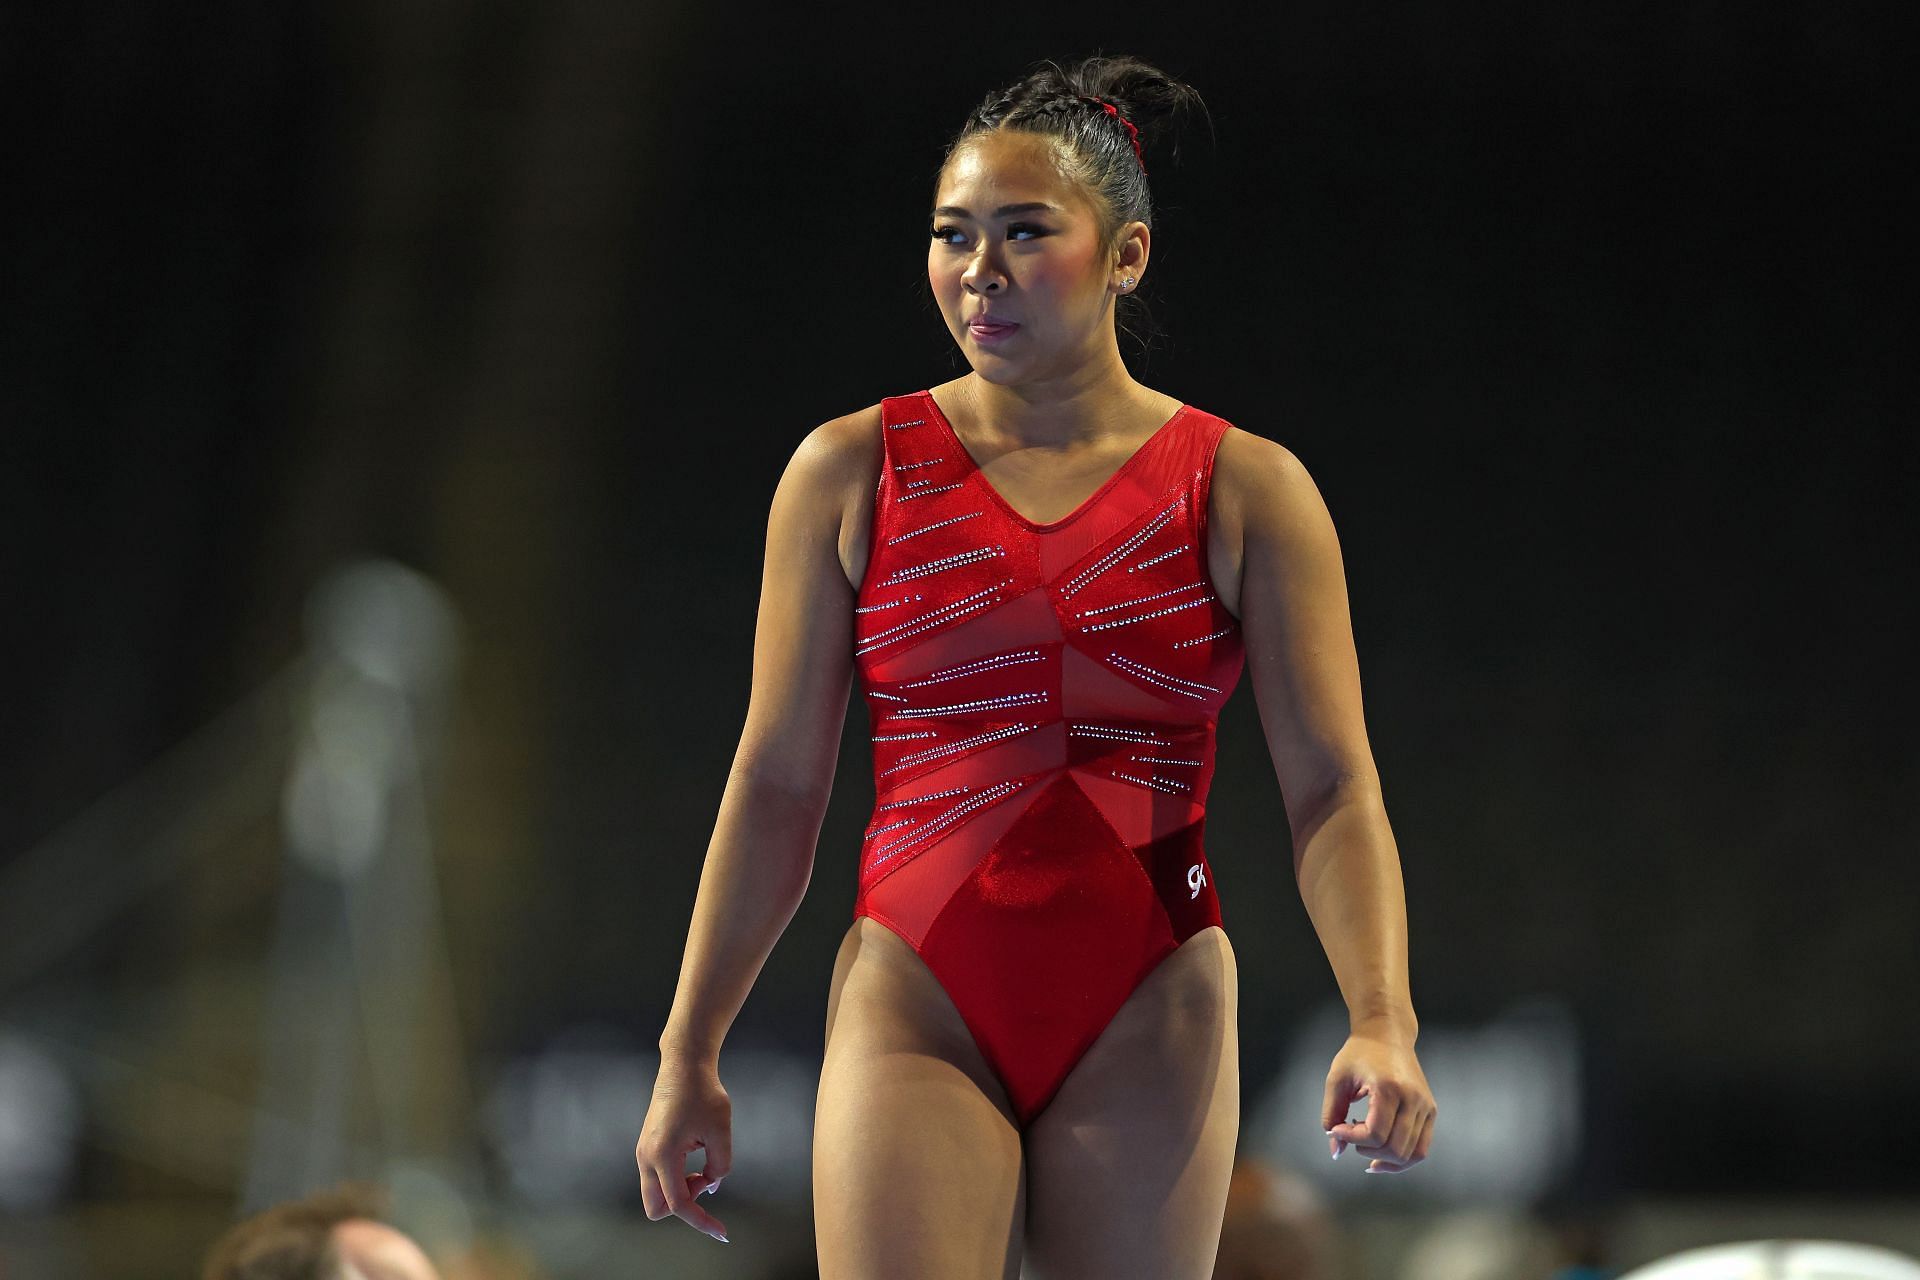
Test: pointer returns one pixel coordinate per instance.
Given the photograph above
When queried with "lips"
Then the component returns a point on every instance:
(991, 326)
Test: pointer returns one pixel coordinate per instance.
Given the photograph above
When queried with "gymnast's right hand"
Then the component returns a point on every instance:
(690, 1109)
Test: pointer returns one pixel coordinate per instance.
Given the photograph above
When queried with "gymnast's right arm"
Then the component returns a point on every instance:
(760, 859)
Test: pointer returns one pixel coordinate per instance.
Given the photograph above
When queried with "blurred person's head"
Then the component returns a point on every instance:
(1277, 1227)
(337, 1234)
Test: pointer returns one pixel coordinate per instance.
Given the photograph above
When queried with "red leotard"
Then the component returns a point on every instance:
(1042, 700)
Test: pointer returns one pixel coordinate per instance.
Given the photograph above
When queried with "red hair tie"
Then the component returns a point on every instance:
(1131, 131)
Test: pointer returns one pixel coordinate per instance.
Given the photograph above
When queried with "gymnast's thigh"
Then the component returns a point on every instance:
(1128, 1165)
(917, 1167)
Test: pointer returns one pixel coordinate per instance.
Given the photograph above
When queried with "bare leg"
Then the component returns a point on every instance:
(917, 1166)
(1129, 1163)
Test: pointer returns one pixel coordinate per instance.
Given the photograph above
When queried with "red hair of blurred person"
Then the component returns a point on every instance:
(294, 1240)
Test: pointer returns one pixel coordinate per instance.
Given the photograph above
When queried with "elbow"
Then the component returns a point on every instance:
(1326, 795)
(803, 788)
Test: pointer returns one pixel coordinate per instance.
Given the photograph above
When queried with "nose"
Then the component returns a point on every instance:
(981, 275)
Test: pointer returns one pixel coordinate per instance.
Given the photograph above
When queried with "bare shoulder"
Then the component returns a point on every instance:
(838, 453)
(803, 637)
(1260, 486)
(839, 465)
(1296, 624)
(823, 477)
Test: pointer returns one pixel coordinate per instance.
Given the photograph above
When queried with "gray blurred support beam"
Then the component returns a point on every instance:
(360, 973)
(467, 347)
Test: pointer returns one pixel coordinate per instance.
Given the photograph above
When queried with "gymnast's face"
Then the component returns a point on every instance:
(1041, 265)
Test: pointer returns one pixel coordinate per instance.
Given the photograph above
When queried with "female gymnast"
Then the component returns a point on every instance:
(1048, 577)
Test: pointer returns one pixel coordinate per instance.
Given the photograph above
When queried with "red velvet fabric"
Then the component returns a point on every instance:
(1042, 700)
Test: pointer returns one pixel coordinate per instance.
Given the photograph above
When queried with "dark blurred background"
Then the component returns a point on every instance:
(392, 396)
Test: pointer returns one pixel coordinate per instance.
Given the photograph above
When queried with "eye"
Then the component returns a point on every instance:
(1013, 229)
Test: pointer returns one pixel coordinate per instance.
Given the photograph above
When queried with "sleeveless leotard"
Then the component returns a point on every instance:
(1042, 699)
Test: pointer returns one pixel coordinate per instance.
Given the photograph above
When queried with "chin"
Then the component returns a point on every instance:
(991, 372)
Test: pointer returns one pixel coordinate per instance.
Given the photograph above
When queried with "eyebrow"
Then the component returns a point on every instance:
(1031, 206)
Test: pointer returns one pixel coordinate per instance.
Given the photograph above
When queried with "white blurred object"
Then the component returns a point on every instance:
(390, 624)
(39, 1126)
(1483, 1244)
(1782, 1260)
(383, 645)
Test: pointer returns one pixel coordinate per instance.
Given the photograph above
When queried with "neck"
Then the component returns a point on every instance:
(1062, 413)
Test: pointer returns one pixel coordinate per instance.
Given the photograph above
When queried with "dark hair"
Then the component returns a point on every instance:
(293, 1240)
(1096, 148)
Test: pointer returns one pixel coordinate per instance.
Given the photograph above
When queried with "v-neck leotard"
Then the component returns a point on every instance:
(1042, 700)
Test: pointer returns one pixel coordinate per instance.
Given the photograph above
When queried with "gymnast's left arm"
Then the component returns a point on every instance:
(1306, 679)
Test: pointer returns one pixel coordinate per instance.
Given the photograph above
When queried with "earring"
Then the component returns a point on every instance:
(1127, 283)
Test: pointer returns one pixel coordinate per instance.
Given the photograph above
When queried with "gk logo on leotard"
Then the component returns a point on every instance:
(1195, 878)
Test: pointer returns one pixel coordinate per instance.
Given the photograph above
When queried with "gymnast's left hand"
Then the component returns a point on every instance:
(1380, 1066)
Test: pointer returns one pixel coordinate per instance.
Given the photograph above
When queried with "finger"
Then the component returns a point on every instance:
(1370, 1135)
(719, 1152)
(1415, 1155)
(654, 1161)
(710, 1225)
(1334, 1102)
(1406, 1132)
(685, 1207)
(650, 1194)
